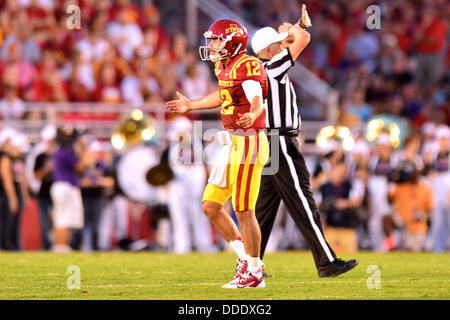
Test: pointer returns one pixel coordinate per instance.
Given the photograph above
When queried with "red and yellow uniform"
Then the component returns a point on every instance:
(250, 148)
(243, 67)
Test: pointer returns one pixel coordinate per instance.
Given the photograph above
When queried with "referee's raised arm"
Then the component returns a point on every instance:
(297, 39)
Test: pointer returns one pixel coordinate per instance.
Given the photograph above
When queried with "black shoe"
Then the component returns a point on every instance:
(336, 268)
(266, 275)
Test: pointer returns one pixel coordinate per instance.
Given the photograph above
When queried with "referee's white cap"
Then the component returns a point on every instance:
(265, 37)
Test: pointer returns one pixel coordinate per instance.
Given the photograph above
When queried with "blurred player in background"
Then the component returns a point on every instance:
(42, 164)
(70, 159)
(94, 182)
(438, 169)
(190, 226)
(242, 90)
(13, 186)
(381, 164)
(412, 201)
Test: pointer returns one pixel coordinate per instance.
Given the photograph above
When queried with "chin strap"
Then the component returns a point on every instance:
(237, 50)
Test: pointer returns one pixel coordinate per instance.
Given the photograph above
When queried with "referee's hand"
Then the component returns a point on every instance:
(306, 20)
(246, 120)
(178, 106)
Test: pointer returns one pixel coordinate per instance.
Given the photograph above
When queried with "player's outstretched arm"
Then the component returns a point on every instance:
(183, 104)
(298, 38)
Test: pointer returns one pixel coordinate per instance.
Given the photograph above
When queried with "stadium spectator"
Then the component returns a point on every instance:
(40, 15)
(411, 152)
(94, 46)
(125, 33)
(133, 10)
(17, 72)
(93, 183)
(148, 47)
(359, 158)
(49, 85)
(412, 201)
(80, 82)
(43, 172)
(111, 57)
(13, 187)
(412, 104)
(70, 159)
(438, 168)
(11, 106)
(142, 87)
(108, 90)
(329, 155)
(165, 73)
(152, 20)
(195, 83)
(380, 166)
(429, 39)
(358, 164)
(340, 200)
(359, 109)
(362, 47)
(31, 51)
(427, 131)
(114, 220)
(390, 54)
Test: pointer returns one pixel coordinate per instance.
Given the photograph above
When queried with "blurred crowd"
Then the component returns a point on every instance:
(373, 197)
(121, 53)
(377, 197)
(124, 53)
(402, 68)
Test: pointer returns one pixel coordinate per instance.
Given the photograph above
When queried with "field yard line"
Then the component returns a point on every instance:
(215, 284)
(356, 281)
(116, 285)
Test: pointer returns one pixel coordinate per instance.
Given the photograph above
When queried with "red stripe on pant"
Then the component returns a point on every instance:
(250, 173)
(240, 173)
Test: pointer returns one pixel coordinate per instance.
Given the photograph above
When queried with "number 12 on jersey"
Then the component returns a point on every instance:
(227, 108)
(255, 71)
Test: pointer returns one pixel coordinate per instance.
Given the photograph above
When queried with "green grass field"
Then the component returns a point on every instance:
(148, 275)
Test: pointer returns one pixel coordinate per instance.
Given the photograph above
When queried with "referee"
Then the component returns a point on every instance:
(291, 183)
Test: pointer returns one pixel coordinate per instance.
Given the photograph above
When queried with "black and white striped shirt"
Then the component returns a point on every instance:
(282, 110)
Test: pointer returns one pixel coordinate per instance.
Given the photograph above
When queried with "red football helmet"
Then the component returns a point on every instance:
(234, 38)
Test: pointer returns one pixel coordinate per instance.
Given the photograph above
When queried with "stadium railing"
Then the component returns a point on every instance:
(102, 118)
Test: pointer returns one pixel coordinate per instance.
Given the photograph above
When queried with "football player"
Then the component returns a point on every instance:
(242, 92)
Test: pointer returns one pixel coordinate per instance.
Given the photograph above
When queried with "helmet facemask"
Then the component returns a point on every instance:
(215, 54)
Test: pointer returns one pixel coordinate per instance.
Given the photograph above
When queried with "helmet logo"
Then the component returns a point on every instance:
(233, 28)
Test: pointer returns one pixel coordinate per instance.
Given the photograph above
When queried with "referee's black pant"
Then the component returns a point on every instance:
(291, 183)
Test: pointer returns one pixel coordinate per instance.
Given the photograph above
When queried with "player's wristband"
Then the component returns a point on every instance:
(252, 115)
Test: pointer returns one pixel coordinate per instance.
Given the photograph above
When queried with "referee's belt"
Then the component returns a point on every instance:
(283, 132)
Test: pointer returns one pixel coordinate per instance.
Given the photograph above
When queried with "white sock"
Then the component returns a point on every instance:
(254, 264)
(238, 247)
